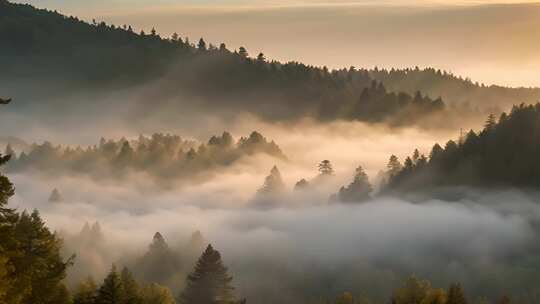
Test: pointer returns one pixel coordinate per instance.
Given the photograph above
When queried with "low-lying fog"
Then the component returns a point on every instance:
(305, 247)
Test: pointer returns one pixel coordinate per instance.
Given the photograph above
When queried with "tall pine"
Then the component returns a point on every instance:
(112, 290)
(209, 283)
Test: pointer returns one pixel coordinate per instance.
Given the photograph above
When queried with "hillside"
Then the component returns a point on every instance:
(502, 155)
(455, 90)
(63, 56)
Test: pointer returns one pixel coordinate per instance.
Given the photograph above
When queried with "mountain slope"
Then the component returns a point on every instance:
(49, 49)
(455, 90)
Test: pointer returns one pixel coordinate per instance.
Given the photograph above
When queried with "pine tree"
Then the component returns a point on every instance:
(9, 151)
(112, 289)
(132, 292)
(301, 185)
(393, 166)
(202, 45)
(243, 52)
(156, 294)
(325, 168)
(55, 196)
(357, 191)
(491, 122)
(209, 283)
(273, 183)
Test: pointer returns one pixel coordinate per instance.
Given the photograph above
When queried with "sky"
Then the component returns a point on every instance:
(493, 42)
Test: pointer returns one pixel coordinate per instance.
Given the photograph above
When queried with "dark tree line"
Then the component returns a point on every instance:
(454, 89)
(503, 154)
(40, 44)
(209, 283)
(160, 155)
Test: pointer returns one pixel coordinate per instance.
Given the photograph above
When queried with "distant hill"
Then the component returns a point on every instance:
(62, 56)
(455, 90)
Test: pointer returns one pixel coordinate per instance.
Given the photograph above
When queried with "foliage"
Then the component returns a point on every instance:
(503, 154)
(357, 191)
(209, 283)
(160, 156)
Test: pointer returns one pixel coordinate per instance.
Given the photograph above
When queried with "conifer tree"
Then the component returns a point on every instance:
(112, 289)
(9, 151)
(156, 294)
(202, 45)
(325, 168)
(301, 185)
(393, 166)
(55, 196)
(273, 183)
(357, 191)
(209, 283)
(132, 293)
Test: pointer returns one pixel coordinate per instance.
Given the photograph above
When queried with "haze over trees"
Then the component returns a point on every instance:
(84, 56)
(455, 90)
(358, 190)
(160, 156)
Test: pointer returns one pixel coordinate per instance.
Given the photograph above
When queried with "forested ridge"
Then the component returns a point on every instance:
(161, 156)
(44, 45)
(502, 155)
(455, 90)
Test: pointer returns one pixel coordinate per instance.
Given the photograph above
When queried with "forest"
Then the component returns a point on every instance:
(161, 156)
(455, 90)
(80, 54)
(502, 155)
(306, 209)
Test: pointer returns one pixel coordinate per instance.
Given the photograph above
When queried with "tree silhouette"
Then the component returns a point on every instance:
(325, 168)
(273, 183)
(112, 289)
(357, 191)
(55, 196)
(209, 283)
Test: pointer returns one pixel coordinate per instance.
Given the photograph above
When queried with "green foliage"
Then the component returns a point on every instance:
(112, 289)
(414, 291)
(132, 292)
(209, 283)
(37, 268)
(160, 264)
(503, 154)
(156, 294)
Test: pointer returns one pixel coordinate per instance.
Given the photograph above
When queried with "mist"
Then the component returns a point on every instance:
(303, 247)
